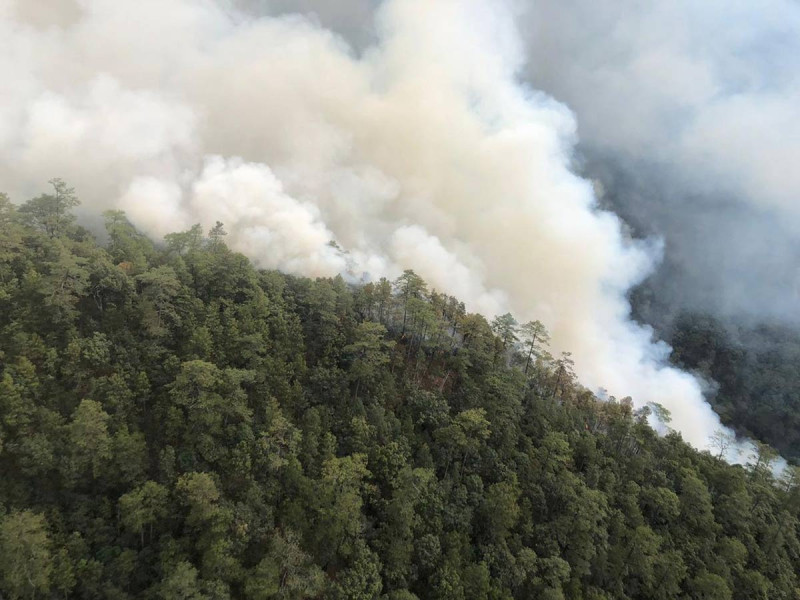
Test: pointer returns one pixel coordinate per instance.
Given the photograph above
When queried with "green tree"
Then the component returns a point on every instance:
(143, 507)
(89, 438)
(25, 556)
(65, 284)
(708, 586)
(129, 249)
(160, 291)
(339, 504)
(501, 507)
(50, 213)
(285, 573)
(505, 327)
(369, 351)
(535, 338)
(185, 241)
(409, 286)
(200, 494)
(361, 580)
(181, 583)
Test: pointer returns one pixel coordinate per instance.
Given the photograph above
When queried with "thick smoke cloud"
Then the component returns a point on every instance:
(689, 114)
(419, 151)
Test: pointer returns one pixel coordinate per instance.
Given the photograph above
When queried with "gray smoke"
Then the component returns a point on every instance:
(689, 112)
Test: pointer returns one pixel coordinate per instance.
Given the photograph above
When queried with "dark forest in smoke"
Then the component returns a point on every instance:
(688, 119)
(724, 298)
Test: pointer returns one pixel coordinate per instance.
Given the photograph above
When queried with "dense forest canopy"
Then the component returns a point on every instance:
(177, 424)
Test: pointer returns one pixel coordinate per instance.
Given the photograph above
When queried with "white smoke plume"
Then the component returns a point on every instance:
(422, 152)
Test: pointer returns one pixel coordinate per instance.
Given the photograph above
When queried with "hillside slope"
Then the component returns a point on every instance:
(177, 424)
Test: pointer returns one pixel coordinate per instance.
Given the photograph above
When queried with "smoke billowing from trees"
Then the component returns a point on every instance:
(420, 150)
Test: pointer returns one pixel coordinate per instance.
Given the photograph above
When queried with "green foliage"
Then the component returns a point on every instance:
(51, 213)
(143, 507)
(177, 424)
(25, 557)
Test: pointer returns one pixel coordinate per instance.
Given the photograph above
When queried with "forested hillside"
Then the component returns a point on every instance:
(176, 424)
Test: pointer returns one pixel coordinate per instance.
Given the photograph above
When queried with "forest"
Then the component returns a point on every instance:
(177, 424)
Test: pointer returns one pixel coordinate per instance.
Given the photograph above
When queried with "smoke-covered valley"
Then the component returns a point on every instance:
(439, 137)
(688, 117)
